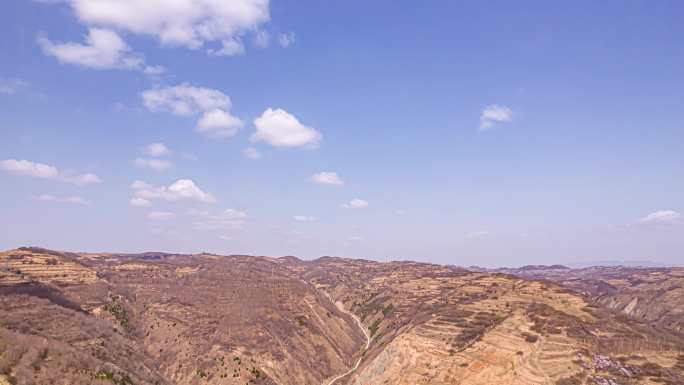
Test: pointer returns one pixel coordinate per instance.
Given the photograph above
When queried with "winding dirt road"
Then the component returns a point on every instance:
(365, 333)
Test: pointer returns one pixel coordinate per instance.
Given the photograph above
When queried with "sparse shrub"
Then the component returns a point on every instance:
(374, 327)
(116, 309)
(531, 338)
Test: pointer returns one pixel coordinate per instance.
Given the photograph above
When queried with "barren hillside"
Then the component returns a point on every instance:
(155, 318)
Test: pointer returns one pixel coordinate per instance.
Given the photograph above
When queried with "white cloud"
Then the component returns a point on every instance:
(72, 199)
(494, 114)
(355, 204)
(304, 218)
(281, 129)
(182, 189)
(230, 47)
(187, 23)
(355, 238)
(327, 177)
(154, 70)
(103, 49)
(251, 153)
(160, 215)
(140, 202)
(218, 123)
(44, 171)
(286, 39)
(230, 219)
(157, 150)
(11, 86)
(262, 39)
(661, 217)
(153, 164)
(187, 100)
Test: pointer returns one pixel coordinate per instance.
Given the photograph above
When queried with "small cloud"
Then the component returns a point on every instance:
(72, 199)
(661, 217)
(304, 218)
(355, 204)
(103, 49)
(229, 219)
(262, 39)
(154, 70)
(182, 189)
(153, 164)
(218, 123)
(160, 215)
(229, 47)
(279, 128)
(286, 39)
(494, 114)
(157, 150)
(355, 238)
(212, 105)
(251, 153)
(184, 99)
(11, 86)
(226, 237)
(327, 177)
(140, 202)
(44, 171)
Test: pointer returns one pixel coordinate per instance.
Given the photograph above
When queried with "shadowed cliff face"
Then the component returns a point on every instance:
(158, 318)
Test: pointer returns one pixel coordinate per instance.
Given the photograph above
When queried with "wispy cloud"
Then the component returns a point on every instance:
(70, 199)
(327, 177)
(161, 215)
(251, 153)
(140, 202)
(11, 86)
(157, 150)
(153, 164)
(661, 217)
(286, 39)
(45, 171)
(494, 114)
(304, 218)
(355, 204)
(229, 219)
(102, 49)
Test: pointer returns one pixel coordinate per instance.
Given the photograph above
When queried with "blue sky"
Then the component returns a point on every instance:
(453, 132)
